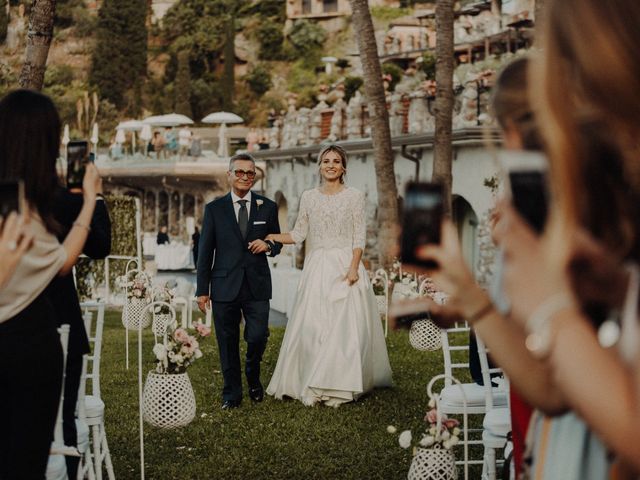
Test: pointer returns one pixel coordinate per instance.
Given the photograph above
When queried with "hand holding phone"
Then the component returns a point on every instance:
(77, 159)
(421, 220)
(527, 184)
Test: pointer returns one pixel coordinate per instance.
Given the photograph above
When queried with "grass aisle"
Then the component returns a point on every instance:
(274, 439)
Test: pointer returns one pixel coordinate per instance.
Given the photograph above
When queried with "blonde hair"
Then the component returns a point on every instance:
(588, 73)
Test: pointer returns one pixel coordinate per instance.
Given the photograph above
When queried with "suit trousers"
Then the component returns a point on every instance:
(30, 384)
(227, 317)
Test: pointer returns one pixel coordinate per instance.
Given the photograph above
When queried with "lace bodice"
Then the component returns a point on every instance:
(331, 221)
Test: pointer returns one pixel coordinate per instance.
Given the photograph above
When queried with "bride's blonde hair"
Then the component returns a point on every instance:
(340, 151)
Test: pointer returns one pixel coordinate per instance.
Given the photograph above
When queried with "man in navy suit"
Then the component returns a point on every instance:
(234, 278)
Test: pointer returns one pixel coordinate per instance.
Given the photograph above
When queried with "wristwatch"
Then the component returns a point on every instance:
(270, 245)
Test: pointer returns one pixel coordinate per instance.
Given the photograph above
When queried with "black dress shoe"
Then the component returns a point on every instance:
(229, 404)
(256, 394)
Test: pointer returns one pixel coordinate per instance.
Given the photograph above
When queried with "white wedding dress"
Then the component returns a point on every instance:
(334, 348)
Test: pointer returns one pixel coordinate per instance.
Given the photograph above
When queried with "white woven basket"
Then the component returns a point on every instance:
(168, 400)
(132, 314)
(425, 335)
(433, 464)
(161, 322)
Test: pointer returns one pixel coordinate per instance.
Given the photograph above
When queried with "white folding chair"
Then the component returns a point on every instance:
(92, 409)
(56, 465)
(455, 344)
(496, 424)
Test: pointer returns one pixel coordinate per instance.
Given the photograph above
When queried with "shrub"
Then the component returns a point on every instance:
(306, 38)
(395, 72)
(428, 65)
(259, 80)
(351, 86)
(270, 38)
(58, 75)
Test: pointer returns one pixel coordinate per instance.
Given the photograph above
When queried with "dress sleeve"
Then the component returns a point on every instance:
(301, 228)
(359, 222)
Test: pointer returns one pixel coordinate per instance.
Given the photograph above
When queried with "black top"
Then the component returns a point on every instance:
(62, 290)
(162, 238)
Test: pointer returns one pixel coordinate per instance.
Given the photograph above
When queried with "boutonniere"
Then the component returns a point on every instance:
(259, 203)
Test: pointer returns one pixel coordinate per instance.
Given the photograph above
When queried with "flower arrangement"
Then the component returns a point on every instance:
(446, 438)
(137, 288)
(163, 294)
(259, 203)
(180, 350)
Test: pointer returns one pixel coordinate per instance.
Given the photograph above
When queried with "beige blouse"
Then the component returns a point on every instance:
(39, 265)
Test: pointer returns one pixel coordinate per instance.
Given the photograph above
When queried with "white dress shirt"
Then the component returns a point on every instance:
(236, 205)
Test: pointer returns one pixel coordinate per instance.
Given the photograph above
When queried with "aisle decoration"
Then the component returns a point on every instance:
(168, 400)
(424, 334)
(161, 312)
(136, 285)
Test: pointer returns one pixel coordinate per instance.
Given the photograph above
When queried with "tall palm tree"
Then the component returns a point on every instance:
(442, 145)
(38, 43)
(380, 133)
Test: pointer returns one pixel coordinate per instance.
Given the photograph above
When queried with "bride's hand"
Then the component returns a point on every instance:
(352, 276)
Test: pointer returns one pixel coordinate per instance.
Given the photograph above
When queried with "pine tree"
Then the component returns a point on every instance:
(120, 55)
(183, 85)
(4, 20)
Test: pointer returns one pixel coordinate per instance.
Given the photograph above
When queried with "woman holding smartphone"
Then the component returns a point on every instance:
(30, 351)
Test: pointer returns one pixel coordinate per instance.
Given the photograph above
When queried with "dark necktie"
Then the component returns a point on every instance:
(243, 217)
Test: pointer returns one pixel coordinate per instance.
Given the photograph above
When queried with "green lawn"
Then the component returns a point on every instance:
(273, 439)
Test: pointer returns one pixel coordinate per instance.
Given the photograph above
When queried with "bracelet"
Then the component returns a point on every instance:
(538, 342)
(480, 313)
(82, 225)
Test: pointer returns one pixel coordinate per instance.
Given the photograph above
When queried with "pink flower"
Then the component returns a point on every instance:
(203, 330)
(450, 422)
(181, 335)
(432, 416)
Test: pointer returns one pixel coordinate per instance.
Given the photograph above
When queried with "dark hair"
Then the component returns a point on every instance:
(510, 103)
(241, 156)
(29, 147)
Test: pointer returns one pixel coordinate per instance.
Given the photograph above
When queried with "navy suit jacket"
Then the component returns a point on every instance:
(223, 255)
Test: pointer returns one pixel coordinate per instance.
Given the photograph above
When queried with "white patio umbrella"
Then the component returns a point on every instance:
(222, 118)
(168, 120)
(120, 137)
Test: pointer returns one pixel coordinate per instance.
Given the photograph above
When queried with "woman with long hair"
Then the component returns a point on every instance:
(333, 350)
(30, 351)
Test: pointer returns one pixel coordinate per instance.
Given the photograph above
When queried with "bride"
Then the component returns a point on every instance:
(333, 348)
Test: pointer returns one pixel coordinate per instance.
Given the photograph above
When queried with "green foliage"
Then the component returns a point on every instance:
(90, 273)
(270, 9)
(64, 12)
(58, 75)
(306, 38)
(228, 76)
(301, 76)
(120, 54)
(395, 72)
(307, 97)
(428, 65)
(270, 37)
(351, 86)
(84, 24)
(386, 14)
(343, 63)
(259, 80)
(183, 85)
(4, 20)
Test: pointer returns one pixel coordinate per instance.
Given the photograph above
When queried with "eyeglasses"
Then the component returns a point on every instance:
(251, 174)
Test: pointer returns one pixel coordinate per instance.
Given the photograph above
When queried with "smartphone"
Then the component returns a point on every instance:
(421, 220)
(527, 183)
(12, 197)
(77, 159)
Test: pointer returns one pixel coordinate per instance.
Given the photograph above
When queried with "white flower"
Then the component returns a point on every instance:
(159, 351)
(456, 431)
(446, 435)
(446, 444)
(454, 440)
(178, 358)
(432, 431)
(391, 429)
(427, 441)
(259, 202)
(405, 281)
(405, 439)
